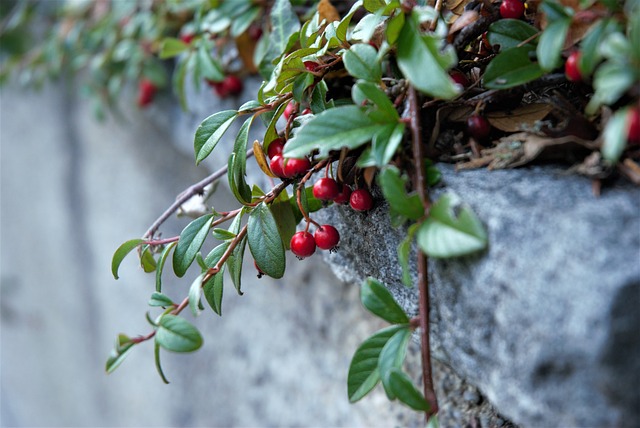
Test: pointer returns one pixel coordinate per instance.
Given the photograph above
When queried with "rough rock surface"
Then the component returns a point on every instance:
(545, 321)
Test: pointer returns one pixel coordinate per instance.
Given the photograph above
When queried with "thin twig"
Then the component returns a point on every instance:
(423, 278)
(183, 197)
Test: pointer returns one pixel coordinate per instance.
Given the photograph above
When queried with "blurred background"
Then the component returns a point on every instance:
(73, 189)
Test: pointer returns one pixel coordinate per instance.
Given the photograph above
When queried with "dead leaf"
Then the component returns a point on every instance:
(261, 159)
(456, 7)
(467, 18)
(369, 174)
(246, 45)
(631, 170)
(522, 118)
(327, 11)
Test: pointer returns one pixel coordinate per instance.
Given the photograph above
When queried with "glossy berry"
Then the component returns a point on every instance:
(275, 147)
(459, 78)
(327, 237)
(289, 110)
(296, 167)
(633, 130)
(277, 166)
(478, 127)
(303, 244)
(571, 68)
(512, 9)
(361, 200)
(311, 66)
(343, 195)
(146, 92)
(326, 189)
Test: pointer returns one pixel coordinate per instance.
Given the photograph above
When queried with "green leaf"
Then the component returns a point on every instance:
(213, 290)
(433, 422)
(161, 261)
(392, 356)
(424, 63)
(172, 47)
(361, 61)
(194, 295)
(147, 261)
(121, 253)
(615, 135)
(191, 239)
(511, 68)
(238, 165)
(394, 189)
(265, 243)
(123, 347)
(285, 220)
(207, 66)
(243, 20)
(404, 249)
(374, 5)
(179, 77)
(362, 91)
(451, 230)
(284, 22)
(156, 355)
(333, 129)
(386, 143)
(234, 264)
(210, 132)
(611, 80)
(509, 33)
(379, 301)
(402, 387)
(551, 42)
(159, 299)
(177, 334)
(309, 203)
(590, 55)
(394, 26)
(363, 371)
(318, 102)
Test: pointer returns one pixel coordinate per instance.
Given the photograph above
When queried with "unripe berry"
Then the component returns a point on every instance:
(296, 167)
(361, 200)
(302, 244)
(277, 166)
(289, 110)
(275, 147)
(633, 130)
(327, 237)
(343, 195)
(326, 189)
(512, 9)
(478, 127)
(146, 92)
(571, 69)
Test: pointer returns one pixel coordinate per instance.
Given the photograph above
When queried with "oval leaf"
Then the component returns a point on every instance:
(210, 131)
(394, 190)
(363, 371)
(402, 387)
(392, 356)
(121, 253)
(265, 243)
(551, 42)
(191, 239)
(177, 334)
(509, 33)
(161, 261)
(447, 234)
(194, 295)
(361, 62)
(511, 68)
(379, 301)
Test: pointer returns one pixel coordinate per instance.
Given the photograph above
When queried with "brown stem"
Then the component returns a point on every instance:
(423, 273)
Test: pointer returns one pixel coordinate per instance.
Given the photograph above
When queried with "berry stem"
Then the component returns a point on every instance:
(317, 167)
(423, 267)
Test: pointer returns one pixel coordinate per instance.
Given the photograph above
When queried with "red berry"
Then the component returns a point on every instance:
(275, 147)
(289, 110)
(361, 200)
(478, 127)
(512, 9)
(295, 167)
(303, 244)
(277, 166)
(571, 69)
(187, 38)
(255, 32)
(343, 195)
(327, 237)
(459, 78)
(326, 189)
(146, 92)
(311, 66)
(233, 84)
(633, 130)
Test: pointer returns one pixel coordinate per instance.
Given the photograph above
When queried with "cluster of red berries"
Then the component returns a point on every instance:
(285, 167)
(328, 189)
(231, 85)
(303, 244)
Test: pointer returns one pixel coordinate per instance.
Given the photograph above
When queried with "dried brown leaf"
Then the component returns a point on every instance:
(524, 117)
(261, 159)
(327, 11)
(467, 18)
(246, 45)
